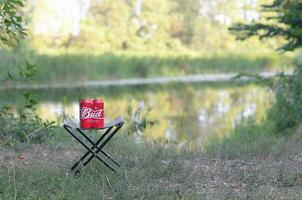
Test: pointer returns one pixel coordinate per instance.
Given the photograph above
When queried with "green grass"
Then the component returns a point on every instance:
(248, 139)
(76, 66)
(149, 171)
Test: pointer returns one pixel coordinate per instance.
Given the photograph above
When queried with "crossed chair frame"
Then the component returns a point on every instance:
(95, 147)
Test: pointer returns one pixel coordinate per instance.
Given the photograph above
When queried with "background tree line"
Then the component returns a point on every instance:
(139, 24)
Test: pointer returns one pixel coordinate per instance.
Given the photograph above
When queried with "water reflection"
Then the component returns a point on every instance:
(186, 114)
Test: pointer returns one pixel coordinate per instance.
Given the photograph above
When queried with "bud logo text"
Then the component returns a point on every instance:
(86, 113)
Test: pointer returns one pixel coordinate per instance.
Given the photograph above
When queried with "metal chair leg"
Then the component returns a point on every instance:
(104, 143)
(94, 145)
(91, 151)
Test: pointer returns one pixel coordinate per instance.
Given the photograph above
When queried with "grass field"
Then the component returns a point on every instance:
(71, 66)
(149, 171)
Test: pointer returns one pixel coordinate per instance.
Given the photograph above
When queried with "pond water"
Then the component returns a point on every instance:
(184, 114)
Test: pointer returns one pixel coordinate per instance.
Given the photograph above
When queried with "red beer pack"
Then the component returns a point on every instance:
(91, 113)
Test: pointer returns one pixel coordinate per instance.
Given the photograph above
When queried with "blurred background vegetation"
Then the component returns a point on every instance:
(75, 41)
(140, 25)
(172, 130)
(99, 39)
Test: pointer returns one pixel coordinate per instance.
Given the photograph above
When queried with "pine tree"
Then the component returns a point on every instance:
(282, 18)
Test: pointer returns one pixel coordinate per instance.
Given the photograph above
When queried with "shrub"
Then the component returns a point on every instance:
(23, 125)
(286, 113)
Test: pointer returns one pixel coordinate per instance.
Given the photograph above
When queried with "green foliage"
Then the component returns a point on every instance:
(286, 113)
(248, 139)
(72, 67)
(282, 18)
(261, 139)
(11, 27)
(28, 71)
(137, 120)
(23, 125)
(24, 73)
(141, 25)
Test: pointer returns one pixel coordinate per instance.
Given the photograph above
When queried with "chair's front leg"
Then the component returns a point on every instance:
(94, 154)
(94, 145)
(110, 158)
(104, 143)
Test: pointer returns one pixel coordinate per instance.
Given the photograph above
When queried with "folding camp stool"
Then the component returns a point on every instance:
(97, 147)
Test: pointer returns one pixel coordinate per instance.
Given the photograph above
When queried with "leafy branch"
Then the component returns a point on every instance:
(12, 29)
(283, 19)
